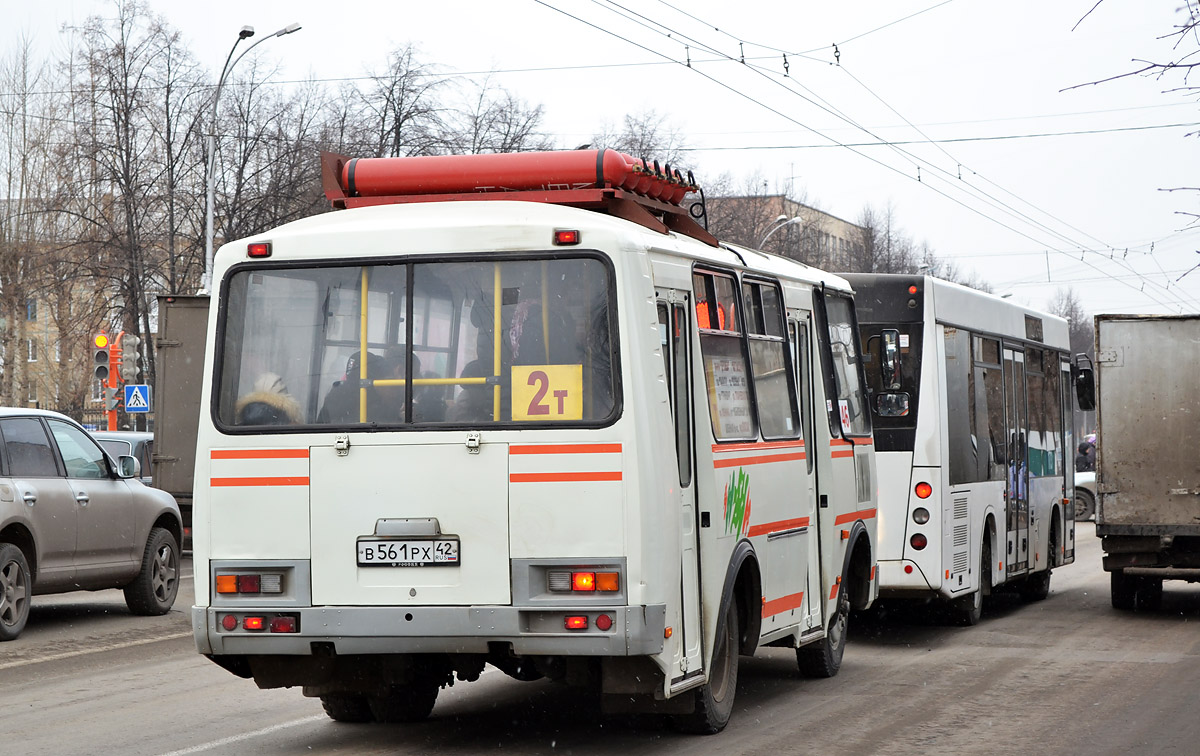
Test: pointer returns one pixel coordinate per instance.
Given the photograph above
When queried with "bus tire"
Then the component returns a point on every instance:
(411, 702)
(824, 657)
(967, 610)
(347, 707)
(714, 700)
(1036, 587)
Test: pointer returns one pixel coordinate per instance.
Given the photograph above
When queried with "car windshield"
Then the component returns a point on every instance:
(402, 343)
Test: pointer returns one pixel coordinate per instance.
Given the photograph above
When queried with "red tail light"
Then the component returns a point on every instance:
(923, 490)
(918, 541)
(576, 622)
(254, 623)
(283, 624)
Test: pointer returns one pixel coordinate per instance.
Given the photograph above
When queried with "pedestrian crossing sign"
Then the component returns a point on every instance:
(137, 397)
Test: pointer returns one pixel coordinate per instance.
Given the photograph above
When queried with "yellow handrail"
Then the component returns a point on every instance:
(496, 344)
(362, 351)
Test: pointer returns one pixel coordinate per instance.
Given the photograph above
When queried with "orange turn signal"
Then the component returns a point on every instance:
(227, 583)
(608, 581)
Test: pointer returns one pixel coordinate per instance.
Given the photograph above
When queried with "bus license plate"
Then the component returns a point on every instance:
(408, 553)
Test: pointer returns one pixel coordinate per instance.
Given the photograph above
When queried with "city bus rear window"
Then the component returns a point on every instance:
(406, 343)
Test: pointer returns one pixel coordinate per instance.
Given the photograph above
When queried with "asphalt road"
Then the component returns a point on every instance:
(1068, 675)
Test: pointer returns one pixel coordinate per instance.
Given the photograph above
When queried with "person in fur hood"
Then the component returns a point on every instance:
(268, 403)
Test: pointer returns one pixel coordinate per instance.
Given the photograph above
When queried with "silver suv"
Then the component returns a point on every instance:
(72, 520)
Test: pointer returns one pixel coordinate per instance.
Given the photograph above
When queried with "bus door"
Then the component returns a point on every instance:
(674, 330)
(799, 334)
(1017, 488)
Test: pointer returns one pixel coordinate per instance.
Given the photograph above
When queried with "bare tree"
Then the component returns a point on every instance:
(646, 135)
(496, 120)
(399, 112)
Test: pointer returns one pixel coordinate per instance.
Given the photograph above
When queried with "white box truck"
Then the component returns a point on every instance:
(1148, 463)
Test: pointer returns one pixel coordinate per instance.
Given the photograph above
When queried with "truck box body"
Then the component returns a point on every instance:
(1148, 462)
(182, 326)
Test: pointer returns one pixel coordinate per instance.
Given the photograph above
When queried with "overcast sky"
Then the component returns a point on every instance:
(1028, 213)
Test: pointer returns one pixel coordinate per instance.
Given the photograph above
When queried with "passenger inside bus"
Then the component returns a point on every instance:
(342, 402)
(268, 403)
(473, 402)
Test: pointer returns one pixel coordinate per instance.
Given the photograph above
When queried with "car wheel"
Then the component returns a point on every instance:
(15, 586)
(1085, 504)
(714, 699)
(153, 591)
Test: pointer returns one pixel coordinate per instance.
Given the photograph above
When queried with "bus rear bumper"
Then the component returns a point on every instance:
(635, 630)
(895, 581)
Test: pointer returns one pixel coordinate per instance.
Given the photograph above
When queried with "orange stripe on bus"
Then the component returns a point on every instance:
(780, 605)
(842, 453)
(562, 477)
(862, 514)
(718, 448)
(258, 454)
(565, 449)
(775, 527)
(287, 481)
(736, 461)
(839, 442)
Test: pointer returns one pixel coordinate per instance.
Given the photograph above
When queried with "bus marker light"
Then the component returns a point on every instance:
(249, 584)
(254, 623)
(229, 622)
(608, 581)
(258, 249)
(576, 622)
(604, 622)
(668, 632)
(912, 289)
(283, 624)
(583, 581)
(923, 490)
(920, 515)
(908, 569)
(564, 237)
(845, 534)
(918, 541)
(226, 583)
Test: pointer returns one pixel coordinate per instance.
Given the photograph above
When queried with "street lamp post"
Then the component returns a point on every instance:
(210, 168)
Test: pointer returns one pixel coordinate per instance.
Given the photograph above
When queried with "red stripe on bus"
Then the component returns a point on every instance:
(287, 481)
(718, 448)
(775, 527)
(736, 461)
(563, 477)
(566, 449)
(839, 442)
(862, 514)
(258, 454)
(780, 605)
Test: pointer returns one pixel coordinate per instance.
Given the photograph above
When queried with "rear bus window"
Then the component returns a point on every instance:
(446, 343)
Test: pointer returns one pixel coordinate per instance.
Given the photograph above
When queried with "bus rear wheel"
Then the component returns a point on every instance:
(347, 707)
(714, 700)
(411, 702)
(824, 658)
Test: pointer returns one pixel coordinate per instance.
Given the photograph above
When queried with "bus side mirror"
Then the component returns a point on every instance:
(889, 361)
(1085, 383)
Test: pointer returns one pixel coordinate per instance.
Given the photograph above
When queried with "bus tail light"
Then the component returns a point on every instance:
(920, 515)
(918, 541)
(583, 581)
(249, 583)
(254, 623)
(283, 624)
(608, 581)
(604, 622)
(576, 622)
(923, 490)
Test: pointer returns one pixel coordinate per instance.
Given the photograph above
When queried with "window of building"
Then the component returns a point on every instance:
(32, 349)
(31, 309)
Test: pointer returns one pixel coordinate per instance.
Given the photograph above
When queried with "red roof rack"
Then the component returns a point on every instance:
(601, 180)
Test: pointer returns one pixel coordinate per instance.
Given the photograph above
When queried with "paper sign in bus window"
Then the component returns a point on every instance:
(729, 395)
(547, 392)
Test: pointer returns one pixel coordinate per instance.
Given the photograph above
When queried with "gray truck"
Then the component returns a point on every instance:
(1148, 463)
(182, 325)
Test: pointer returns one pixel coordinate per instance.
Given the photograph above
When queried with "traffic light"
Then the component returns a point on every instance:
(100, 357)
(110, 399)
(129, 358)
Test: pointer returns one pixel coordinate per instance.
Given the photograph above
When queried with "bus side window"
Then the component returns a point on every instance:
(673, 339)
(724, 357)
(798, 337)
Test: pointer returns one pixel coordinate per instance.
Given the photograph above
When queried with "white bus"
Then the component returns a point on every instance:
(972, 415)
(560, 431)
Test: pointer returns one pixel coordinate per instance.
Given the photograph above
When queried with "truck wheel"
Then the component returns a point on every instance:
(347, 707)
(1124, 590)
(1149, 594)
(410, 702)
(714, 700)
(824, 658)
(14, 591)
(1085, 504)
(153, 591)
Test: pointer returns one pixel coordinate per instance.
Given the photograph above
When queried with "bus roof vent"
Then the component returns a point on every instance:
(602, 180)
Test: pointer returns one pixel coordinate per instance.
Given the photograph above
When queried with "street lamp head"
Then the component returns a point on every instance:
(246, 33)
(781, 217)
(288, 30)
